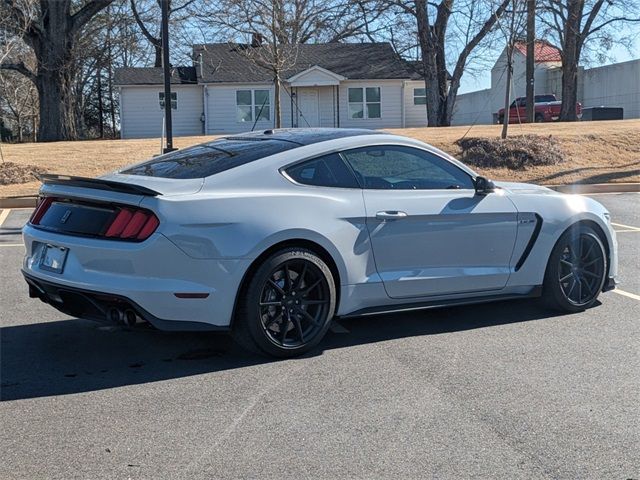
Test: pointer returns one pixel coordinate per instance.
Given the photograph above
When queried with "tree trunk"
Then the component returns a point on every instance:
(507, 94)
(53, 107)
(276, 108)
(530, 66)
(570, 58)
(100, 104)
(158, 53)
(428, 64)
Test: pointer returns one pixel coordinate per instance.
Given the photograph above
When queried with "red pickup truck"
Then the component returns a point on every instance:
(546, 109)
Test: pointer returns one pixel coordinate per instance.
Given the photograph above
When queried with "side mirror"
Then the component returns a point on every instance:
(484, 185)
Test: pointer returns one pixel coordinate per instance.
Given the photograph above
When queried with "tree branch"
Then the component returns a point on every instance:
(21, 68)
(154, 41)
(86, 13)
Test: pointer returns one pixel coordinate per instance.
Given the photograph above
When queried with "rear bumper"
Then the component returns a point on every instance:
(92, 305)
(155, 276)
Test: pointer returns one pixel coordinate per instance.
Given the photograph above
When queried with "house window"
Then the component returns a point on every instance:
(419, 96)
(174, 100)
(252, 105)
(364, 102)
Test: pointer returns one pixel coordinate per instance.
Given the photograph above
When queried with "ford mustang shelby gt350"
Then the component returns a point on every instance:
(271, 234)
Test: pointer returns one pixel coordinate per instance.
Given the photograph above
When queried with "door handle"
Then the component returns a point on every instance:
(390, 215)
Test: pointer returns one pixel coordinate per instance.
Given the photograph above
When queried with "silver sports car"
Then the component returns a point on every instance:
(271, 234)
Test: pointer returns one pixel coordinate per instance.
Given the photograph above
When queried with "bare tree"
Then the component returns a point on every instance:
(272, 51)
(18, 103)
(512, 25)
(147, 16)
(432, 20)
(297, 21)
(577, 24)
(51, 28)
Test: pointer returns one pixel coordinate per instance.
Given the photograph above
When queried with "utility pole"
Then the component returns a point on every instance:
(164, 4)
(530, 67)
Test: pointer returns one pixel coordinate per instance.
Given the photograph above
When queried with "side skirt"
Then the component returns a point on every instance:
(407, 307)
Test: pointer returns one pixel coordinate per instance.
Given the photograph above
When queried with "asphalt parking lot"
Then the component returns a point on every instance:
(488, 391)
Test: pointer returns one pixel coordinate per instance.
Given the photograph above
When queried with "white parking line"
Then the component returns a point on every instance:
(3, 215)
(629, 227)
(623, 231)
(11, 244)
(626, 294)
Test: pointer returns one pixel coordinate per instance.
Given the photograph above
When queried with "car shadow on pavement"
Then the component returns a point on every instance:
(73, 356)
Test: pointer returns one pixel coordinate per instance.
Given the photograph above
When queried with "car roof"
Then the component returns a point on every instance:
(303, 136)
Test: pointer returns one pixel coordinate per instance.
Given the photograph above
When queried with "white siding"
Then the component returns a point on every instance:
(390, 99)
(221, 103)
(141, 115)
(414, 115)
(328, 110)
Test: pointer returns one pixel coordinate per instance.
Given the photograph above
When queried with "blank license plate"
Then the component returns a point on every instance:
(53, 258)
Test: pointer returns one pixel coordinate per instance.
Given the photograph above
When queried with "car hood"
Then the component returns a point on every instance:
(165, 186)
(525, 188)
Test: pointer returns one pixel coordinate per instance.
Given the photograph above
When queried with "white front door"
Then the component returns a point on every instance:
(307, 111)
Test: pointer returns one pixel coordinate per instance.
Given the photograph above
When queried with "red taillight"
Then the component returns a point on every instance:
(118, 224)
(133, 224)
(126, 223)
(41, 208)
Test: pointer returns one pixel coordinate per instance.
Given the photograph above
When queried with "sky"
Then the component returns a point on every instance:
(481, 81)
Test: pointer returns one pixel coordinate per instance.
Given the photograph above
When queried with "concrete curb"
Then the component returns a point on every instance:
(585, 188)
(18, 202)
(580, 188)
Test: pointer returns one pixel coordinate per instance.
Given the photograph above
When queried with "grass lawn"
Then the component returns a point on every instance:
(595, 152)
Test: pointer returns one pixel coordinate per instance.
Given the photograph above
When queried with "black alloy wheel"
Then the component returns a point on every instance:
(576, 270)
(288, 304)
(294, 303)
(581, 269)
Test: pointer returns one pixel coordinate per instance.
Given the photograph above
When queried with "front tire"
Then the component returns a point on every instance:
(576, 270)
(288, 304)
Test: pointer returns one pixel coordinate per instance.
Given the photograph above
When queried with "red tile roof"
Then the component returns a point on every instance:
(543, 51)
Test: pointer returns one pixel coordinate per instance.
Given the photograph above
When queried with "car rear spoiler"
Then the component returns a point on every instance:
(96, 183)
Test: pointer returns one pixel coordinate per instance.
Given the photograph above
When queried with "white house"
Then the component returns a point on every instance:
(616, 85)
(330, 85)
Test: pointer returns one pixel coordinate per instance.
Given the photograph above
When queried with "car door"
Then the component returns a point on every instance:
(431, 234)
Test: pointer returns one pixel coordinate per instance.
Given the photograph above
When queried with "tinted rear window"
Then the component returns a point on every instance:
(545, 98)
(209, 158)
(327, 171)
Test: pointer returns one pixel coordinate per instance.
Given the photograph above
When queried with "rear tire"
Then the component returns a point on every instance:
(539, 118)
(576, 270)
(287, 305)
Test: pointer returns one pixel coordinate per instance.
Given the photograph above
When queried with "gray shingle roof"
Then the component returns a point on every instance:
(231, 63)
(224, 62)
(153, 76)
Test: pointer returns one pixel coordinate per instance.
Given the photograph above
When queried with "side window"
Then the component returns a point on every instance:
(327, 171)
(405, 168)
(364, 102)
(419, 96)
(174, 100)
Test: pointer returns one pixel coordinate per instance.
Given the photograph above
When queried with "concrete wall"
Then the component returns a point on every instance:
(474, 107)
(141, 115)
(616, 85)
